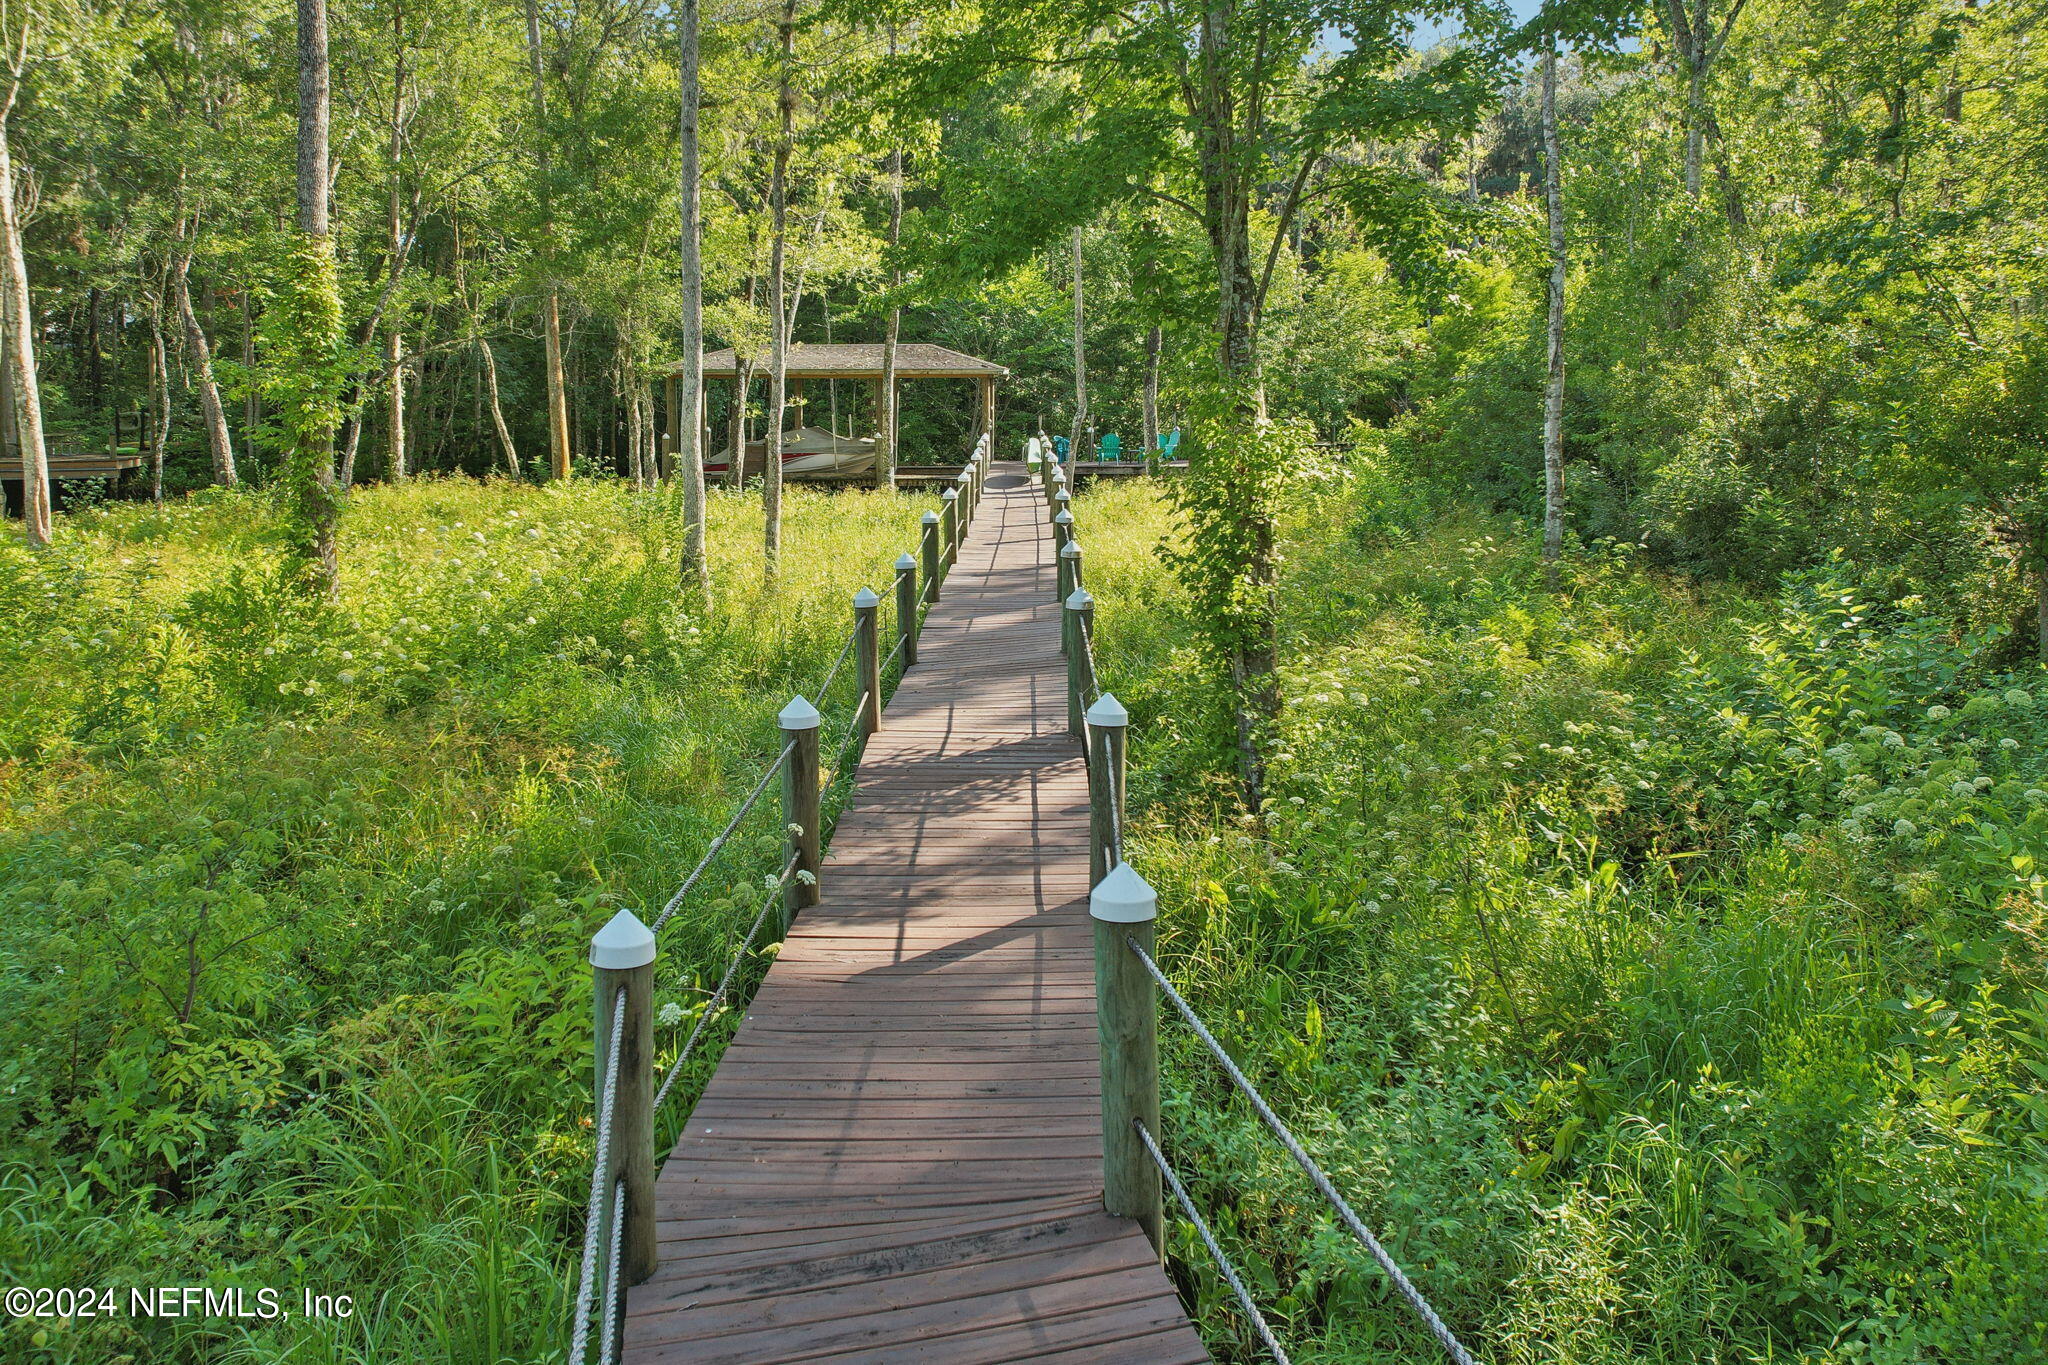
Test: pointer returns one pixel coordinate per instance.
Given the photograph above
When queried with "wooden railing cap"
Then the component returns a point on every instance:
(623, 943)
(1123, 897)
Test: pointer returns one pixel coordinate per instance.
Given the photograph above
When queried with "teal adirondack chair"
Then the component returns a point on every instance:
(1111, 448)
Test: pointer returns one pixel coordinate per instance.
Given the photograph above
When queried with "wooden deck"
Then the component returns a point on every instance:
(900, 1156)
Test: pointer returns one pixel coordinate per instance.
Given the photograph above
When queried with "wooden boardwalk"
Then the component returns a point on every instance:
(900, 1156)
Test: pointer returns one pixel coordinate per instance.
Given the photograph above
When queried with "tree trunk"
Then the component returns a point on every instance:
(394, 403)
(217, 442)
(551, 307)
(159, 400)
(497, 411)
(316, 501)
(885, 409)
(1080, 432)
(1253, 644)
(1553, 389)
(778, 362)
(17, 315)
(1154, 343)
(252, 401)
(1695, 129)
(742, 389)
(688, 420)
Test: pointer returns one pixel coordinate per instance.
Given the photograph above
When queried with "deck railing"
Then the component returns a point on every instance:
(619, 1246)
(1136, 1173)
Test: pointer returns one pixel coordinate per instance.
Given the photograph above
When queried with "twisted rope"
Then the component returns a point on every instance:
(718, 996)
(1244, 1297)
(579, 1337)
(1408, 1291)
(833, 671)
(607, 1348)
(675, 902)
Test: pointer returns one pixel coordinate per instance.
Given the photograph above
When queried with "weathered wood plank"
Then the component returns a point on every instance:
(899, 1157)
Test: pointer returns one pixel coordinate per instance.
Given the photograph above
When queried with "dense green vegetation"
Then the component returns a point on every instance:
(292, 977)
(1651, 931)
(1660, 965)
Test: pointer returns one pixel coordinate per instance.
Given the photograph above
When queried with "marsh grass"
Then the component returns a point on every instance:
(297, 896)
(1658, 968)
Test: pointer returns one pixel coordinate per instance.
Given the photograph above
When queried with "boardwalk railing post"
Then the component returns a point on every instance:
(622, 959)
(949, 514)
(867, 658)
(1062, 532)
(906, 609)
(1070, 554)
(1124, 907)
(964, 490)
(1108, 725)
(800, 804)
(1074, 639)
(933, 573)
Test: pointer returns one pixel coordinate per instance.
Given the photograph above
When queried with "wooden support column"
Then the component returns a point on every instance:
(622, 959)
(801, 806)
(1124, 909)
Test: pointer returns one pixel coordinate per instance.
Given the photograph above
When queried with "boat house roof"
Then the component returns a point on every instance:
(863, 360)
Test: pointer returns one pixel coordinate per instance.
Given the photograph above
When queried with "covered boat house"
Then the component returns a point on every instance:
(811, 368)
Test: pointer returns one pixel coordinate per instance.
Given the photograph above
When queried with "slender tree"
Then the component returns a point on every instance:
(24, 397)
(885, 409)
(201, 352)
(1553, 388)
(778, 356)
(303, 329)
(688, 421)
(551, 301)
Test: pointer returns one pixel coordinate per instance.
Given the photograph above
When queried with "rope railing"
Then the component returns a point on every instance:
(579, 1338)
(717, 996)
(624, 953)
(1229, 1271)
(1402, 1285)
(711, 850)
(833, 672)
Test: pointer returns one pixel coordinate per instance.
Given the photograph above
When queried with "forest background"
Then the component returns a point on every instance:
(1651, 933)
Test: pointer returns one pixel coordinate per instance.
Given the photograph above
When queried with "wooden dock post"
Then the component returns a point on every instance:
(906, 609)
(801, 814)
(622, 959)
(1062, 532)
(1070, 555)
(1079, 631)
(949, 529)
(1109, 723)
(963, 487)
(1124, 907)
(933, 573)
(867, 658)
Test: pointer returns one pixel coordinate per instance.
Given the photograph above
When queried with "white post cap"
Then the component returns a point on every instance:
(950, 494)
(623, 943)
(964, 475)
(866, 598)
(1071, 550)
(904, 561)
(1063, 517)
(1108, 711)
(1062, 495)
(1080, 599)
(1123, 897)
(930, 519)
(798, 715)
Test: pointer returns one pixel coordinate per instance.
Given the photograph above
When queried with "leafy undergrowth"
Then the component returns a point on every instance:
(1660, 971)
(293, 987)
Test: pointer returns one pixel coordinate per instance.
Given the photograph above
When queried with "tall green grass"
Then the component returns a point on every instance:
(1659, 969)
(293, 989)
